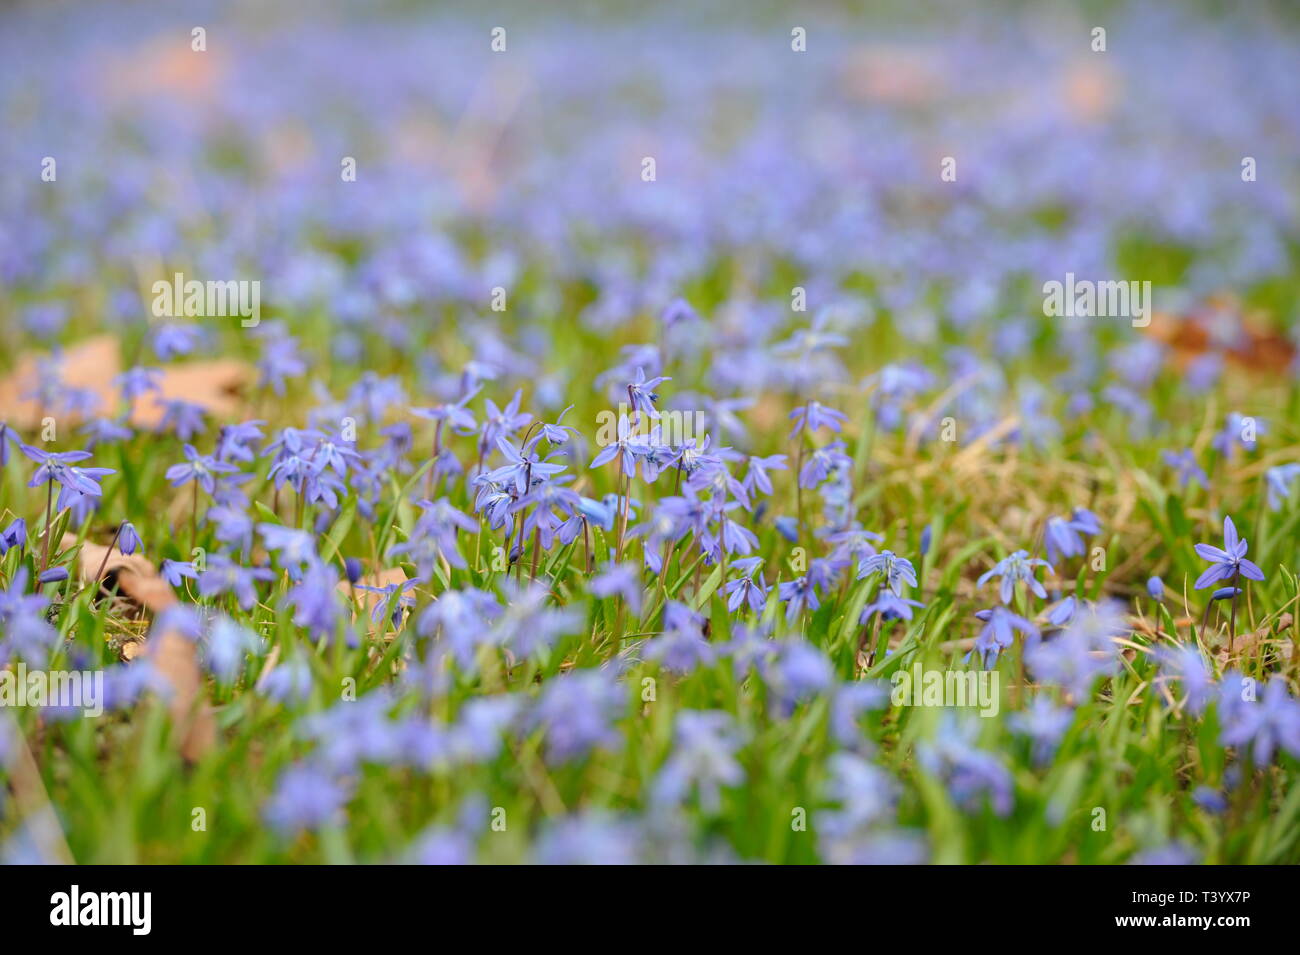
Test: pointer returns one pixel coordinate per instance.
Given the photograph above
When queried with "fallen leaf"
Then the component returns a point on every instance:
(92, 365)
(1254, 346)
(177, 659)
(134, 576)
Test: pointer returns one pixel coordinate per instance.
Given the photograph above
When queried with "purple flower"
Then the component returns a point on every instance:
(15, 535)
(795, 594)
(289, 682)
(1184, 462)
(202, 468)
(998, 633)
(1064, 536)
(680, 649)
(1281, 481)
(1014, 568)
(641, 395)
(592, 838)
(1186, 664)
(756, 477)
(7, 437)
(1045, 724)
(896, 571)
(822, 462)
(576, 712)
(814, 416)
(521, 465)
(744, 589)
(972, 775)
(1265, 724)
(1080, 653)
(171, 340)
(306, 797)
(500, 423)
(703, 759)
(889, 606)
(138, 381)
(292, 547)
(57, 466)
(629, 446)
(1229, 562)
(184, 418)
(318, 604)
(1237, 429)
(848, 704)
(173, 571)
(224, 576)
(623, 580)
(128, 541)
(234, 439)
(799, 672)
(1210, 799)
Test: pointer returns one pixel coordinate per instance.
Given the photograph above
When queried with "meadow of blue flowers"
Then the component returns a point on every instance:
(635, 404)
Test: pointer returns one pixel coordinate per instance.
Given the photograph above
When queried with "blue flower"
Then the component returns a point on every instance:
(998, 633)
(1265, 724)
(1045, 724)
(816, 415)
(1014, 568)
(896, 571)
(306, 797)
(1228, 562)
(202, 468)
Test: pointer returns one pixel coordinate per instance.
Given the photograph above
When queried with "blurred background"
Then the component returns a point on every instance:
(477, 168)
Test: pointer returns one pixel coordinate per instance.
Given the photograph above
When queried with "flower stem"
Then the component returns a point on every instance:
(1232, 618)
(99, 574)
(45, 547)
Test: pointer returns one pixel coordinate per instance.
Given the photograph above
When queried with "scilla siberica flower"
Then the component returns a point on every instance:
(1228, 562)
(202, 468)
(306, 797)
(1281, 482)
(1014, 568)
(998, 633)
(974, 777)
(703, 759)
(1064, 536)
(1045, 723)
(814, 416)
(1266, 724)
(576, 712)
(896, 571)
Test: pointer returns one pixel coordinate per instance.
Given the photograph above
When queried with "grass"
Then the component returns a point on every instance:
(1119, 783)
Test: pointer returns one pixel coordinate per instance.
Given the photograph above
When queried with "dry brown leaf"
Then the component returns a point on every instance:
(1247, 644)
(215, 385)
(1259, 348)
(93, 364)
(136, 578)
(177, 659)
(90, 365)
